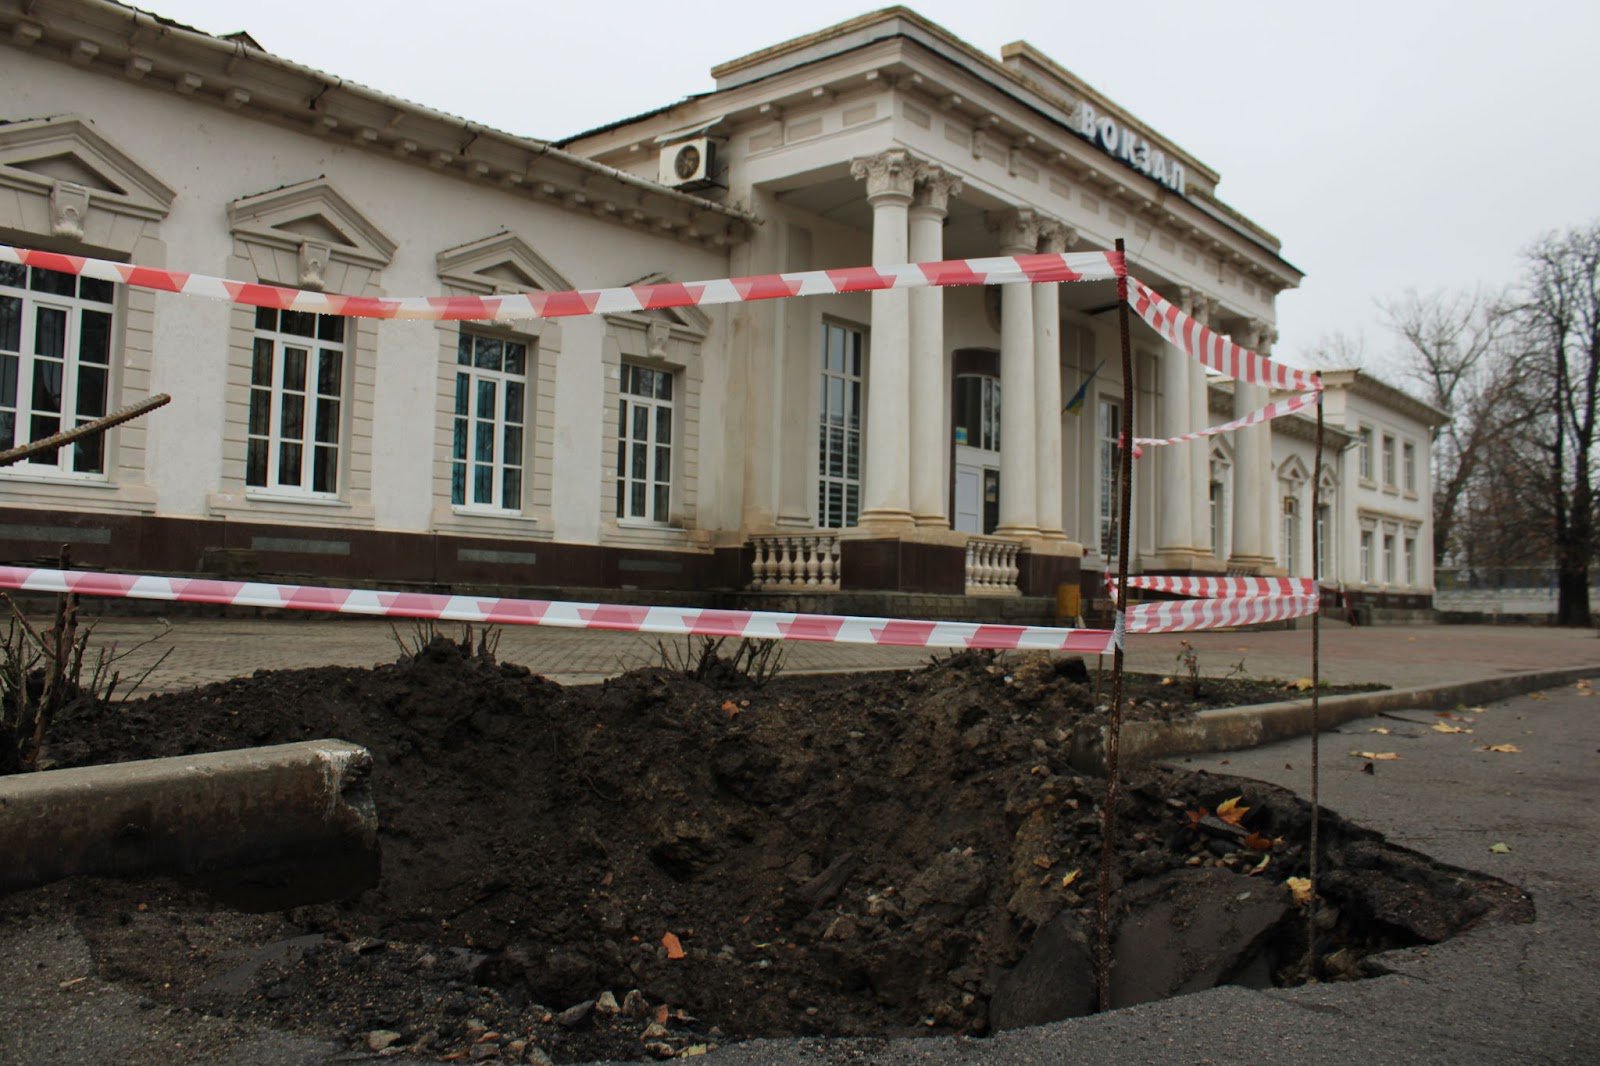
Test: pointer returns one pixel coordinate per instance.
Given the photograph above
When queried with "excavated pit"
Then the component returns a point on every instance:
(656, 864)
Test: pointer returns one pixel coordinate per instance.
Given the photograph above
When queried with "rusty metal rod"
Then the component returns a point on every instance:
(88, 429)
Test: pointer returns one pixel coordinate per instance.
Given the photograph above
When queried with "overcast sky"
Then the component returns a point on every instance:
(1393, 144)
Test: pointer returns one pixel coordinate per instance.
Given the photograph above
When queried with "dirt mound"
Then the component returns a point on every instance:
(848, 855)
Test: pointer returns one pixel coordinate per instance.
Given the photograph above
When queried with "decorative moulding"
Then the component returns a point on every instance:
(64, 152)
(309, 216)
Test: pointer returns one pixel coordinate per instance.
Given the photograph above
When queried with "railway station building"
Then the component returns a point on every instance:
(939, 452)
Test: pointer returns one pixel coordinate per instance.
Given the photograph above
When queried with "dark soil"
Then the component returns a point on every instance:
(845, 855)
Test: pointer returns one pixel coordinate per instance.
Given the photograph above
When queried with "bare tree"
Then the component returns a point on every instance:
(1559, 320)
(1456, 353)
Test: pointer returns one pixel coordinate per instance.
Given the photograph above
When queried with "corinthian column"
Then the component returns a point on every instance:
(929, 448)
(1199, 452)
(1019, 516)
(1267, 500)
(1053, 237)
(1174, 501)
(1249, 467)
(886, 490)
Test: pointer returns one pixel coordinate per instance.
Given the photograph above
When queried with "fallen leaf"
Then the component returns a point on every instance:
(1446, 727)
(1042, 862)
(1500, 849)
(1376, 756)
(730, 708)
(1301, 888)
(1508, 748)
(673, 945)
(1301, 683)
(1169, 680)
(1231, 812)
(1538, 696)
(1196, 817)
(1257, 842)
(1258, 867)
(1066, 882)
(694, 1051)
(1379, 729)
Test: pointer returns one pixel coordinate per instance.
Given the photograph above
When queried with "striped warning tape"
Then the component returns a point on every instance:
(665, 621)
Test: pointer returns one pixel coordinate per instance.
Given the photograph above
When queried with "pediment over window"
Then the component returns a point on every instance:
(311, 213)
(692, 319)
(1294, 471)
(65, 151)
(500, 263)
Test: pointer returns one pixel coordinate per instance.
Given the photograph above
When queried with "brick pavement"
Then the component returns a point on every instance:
(206, 649)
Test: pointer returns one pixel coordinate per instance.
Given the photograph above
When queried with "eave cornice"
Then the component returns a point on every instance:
(122, 42)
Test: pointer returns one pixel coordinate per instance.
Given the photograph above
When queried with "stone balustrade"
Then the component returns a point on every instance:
(802, 562)
(992, 566)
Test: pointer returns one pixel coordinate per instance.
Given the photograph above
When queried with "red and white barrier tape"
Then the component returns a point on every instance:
(1228, 601)
(1043, 267)
(1211, 348)
(667, 621)
(1276, 409)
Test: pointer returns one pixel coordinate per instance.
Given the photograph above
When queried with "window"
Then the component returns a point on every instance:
(1324, 528)
(1390, 574)
(1409, 462)
(1366, 453)
(486, 445)
(977, 411)
(644, 445)
(1388, 461)
(1109, 427)
(1291, 536)
(839, 446)
(296, 399)
(1411, 562)
(55, 363)
(1219, 505)
(1366, 556)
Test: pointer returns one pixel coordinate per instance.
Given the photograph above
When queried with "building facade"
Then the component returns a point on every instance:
(942, 451)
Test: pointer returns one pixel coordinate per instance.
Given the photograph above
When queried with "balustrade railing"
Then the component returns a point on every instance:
(992, 566)
(801, 562)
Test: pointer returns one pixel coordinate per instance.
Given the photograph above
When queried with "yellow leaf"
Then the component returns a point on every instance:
(1509, 748)
(1379, 729)
(1066, 882)
(1301, 683)
(1230, 811)
(1258, 867)
(694, 1051)
(1301, 888)
(1042, 862)
(1168, 680)
(1446, 727)
(1538, 696)
(1500, 849)
(1376, 756)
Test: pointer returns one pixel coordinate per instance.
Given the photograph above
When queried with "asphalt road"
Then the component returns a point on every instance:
(1515, 993)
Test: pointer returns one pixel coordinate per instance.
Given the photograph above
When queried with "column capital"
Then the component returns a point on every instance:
(934, 187)
(890, 175)
(1056, 236)
(1018, 230)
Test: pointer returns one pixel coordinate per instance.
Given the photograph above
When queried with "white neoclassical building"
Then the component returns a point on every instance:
(938, 451)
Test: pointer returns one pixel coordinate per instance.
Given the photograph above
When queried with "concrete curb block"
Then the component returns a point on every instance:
(261, 827)
(1232, 728)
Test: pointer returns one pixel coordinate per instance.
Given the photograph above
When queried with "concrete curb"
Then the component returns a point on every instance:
(1233, 728)
(262, 828)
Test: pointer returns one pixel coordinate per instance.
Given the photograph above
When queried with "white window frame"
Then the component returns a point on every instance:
(657, 454)
(1108, 470)
(1366, 436)
(1389, 460)
(272, 339)
(1408, 454)
(22, 365)
(1367, 536)
(1390, 574)
(1291, 535)
(508, 439)
(1409, 546)
(1323, 531)
(989, 400)
(840, 432)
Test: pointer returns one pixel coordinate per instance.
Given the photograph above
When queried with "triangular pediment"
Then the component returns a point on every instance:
(311, 211)
(66, 148)
(690, 318)
(1292, 469)
(501, 262)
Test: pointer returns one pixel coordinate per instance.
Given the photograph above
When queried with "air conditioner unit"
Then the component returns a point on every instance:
(688, 164)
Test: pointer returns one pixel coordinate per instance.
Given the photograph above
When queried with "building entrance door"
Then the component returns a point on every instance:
(977, 453)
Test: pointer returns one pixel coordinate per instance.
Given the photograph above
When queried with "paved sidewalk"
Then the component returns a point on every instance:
(214, 649)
